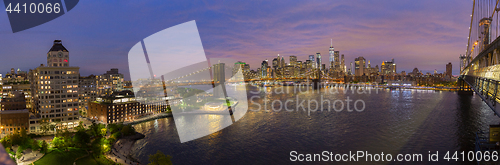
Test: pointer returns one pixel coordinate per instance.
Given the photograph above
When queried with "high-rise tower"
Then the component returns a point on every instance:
(55, 88)
(332, 50)
(313, 61)
(337, 61)
(293, 61)
(318, 60)
(342, 64)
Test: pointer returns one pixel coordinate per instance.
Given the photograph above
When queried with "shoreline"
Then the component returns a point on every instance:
(436, 88)
(121, 151)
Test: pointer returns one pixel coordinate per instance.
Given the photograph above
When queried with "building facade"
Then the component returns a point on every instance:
(55, 88)
(120, 107)
(110, 81)
(13, 114)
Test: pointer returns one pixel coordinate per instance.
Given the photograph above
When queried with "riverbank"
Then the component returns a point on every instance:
(121, 151)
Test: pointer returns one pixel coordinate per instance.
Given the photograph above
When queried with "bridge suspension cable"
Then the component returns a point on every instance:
(483, 27)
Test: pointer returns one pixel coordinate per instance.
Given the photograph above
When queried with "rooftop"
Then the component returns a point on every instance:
(58, 46)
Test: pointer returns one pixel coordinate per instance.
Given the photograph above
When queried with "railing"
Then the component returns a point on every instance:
(486, 88)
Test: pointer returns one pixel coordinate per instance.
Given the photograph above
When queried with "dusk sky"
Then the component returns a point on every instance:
(99, 34)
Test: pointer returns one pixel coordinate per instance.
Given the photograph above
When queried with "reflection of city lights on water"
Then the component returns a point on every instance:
(214, 106)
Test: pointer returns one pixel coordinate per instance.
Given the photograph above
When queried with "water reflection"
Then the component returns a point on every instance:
(395, 121)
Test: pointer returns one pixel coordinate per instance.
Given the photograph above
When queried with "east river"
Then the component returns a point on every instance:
(389, 121)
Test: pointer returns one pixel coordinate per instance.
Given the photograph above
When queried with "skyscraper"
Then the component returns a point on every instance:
(293, 61)
(449, 70)
(332, 50)
(55, 88)
(278, 61)
(88, 92)
(313, 61)
(342, 64)
(263, 69)
(282, 65)
(318, 60)
(388, 67)
(359, 66)
(275, 63)
(350, 69)
(337, 61)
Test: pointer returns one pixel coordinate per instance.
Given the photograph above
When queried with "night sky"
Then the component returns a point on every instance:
(99, 34)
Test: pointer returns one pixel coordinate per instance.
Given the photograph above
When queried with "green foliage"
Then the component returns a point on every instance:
(100, 146)
(111, 141)
(188, 92)
(6, 142)
(19, 152)
(96, 146)
(8, 150)
(81, 139)
(44, 147)
(35, 145)
(58, 142)
(46, 127)
(80, 127)
(96, 130)
(116, 135)
(128, 130)
(103, 131)
(23, 133)
(113, 128)
(15, 139)
(159, 159)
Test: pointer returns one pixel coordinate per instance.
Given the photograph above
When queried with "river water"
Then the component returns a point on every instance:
(378, 120)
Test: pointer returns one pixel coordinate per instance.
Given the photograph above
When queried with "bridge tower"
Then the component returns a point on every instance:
(316, 82)
(463, 87)
(219, 84)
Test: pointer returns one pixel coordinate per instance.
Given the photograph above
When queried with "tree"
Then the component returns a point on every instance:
(19, 152)
(6, 142)
(44, 146)
(113, 128)
(35, 145)
(128, 130)
(159, 159)
(100, 146)
(80, 127)
(15, 139)
(52, 127)
(58, 142)
(96, 129)
(23, 133)
(81, 138)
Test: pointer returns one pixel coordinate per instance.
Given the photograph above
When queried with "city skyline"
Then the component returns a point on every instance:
(381, 31)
